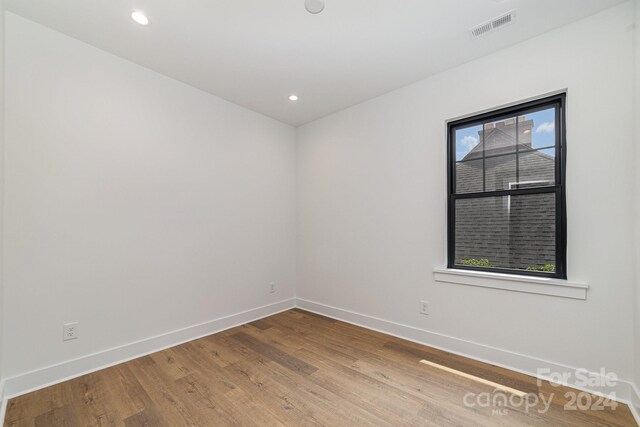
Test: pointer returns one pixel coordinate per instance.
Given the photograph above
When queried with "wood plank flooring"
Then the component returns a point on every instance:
(300, 369)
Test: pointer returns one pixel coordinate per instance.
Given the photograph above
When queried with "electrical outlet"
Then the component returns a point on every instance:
(272, 287)
(70, 331)
(424, 308)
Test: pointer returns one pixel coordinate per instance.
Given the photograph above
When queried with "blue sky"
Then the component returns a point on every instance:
(543, 134)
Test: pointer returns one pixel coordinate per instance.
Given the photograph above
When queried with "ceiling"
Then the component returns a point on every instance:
(257, 52)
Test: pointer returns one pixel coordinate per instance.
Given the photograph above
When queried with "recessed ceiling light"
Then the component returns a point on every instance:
(139, 17)
(314, 6)
(293, 98)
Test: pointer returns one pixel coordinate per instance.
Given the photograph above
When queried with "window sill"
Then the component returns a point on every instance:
(512, 282)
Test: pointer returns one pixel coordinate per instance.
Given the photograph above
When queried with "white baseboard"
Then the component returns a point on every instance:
(44, 377)
(624, 391)
(3, 403)
(634, 405)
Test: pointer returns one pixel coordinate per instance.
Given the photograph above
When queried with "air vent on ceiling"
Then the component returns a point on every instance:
(493, 24)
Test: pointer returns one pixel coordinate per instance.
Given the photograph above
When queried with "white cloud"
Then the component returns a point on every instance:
(469, 142)
(546, 127)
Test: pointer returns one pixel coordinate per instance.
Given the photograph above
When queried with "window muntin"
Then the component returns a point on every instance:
(506, 190)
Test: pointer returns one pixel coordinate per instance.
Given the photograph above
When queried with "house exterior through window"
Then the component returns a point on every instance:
(506, 196)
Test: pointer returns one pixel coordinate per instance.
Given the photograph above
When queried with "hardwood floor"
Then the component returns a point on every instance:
(299, 368)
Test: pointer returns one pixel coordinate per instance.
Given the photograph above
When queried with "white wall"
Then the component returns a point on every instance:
(1, 175)
(371, 200)
(135, 204)
(636, 112)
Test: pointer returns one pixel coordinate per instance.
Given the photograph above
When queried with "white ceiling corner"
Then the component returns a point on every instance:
(256, 53)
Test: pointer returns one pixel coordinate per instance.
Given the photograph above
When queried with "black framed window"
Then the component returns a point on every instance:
(506, 190)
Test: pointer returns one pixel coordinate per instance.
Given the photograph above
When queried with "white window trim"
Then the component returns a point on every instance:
(513, 282)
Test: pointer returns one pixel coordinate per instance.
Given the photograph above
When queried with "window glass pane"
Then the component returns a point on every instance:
(537, 130)
(514, 232)
(468, 143)
(500, 172)
(537, 168)
(469, 176)
(500, 137)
